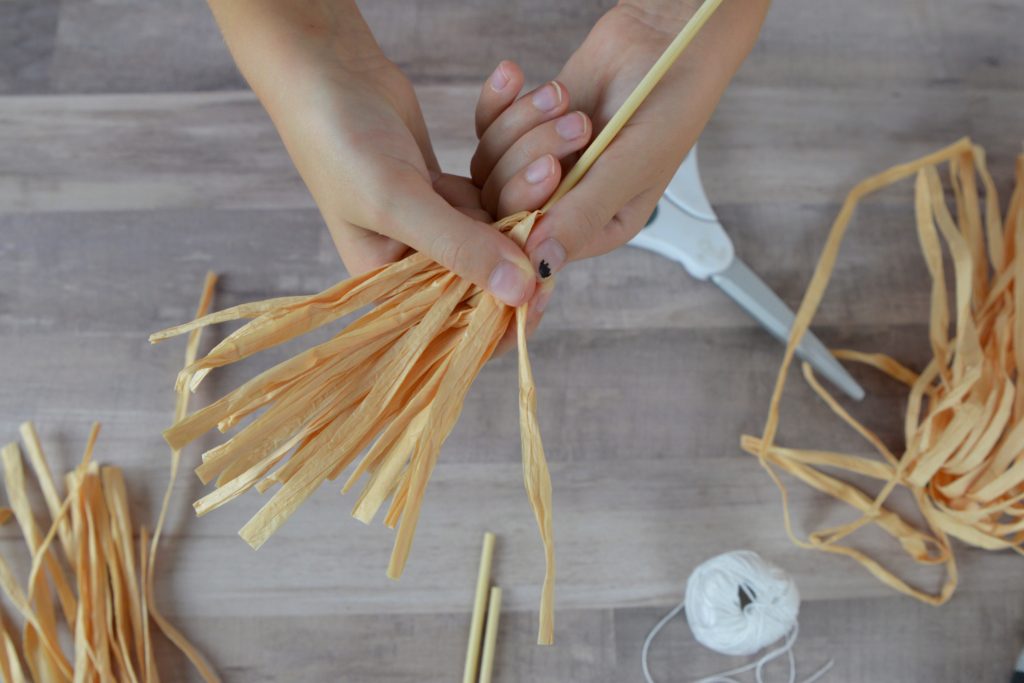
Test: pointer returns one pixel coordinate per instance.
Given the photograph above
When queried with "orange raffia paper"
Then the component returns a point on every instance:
(89, 576)
(963, 458)
(389, 386)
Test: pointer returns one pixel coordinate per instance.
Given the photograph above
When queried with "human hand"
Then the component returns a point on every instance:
(614, 200)
(352, 125)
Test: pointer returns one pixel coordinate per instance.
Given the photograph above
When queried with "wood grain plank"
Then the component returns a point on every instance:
(112, 206)
(140, 46)
(220, 150)
(648, 482)
(420, 648)
(146, 46)
(28, 32)
(604, 645)
(974, 637)
(880, 279)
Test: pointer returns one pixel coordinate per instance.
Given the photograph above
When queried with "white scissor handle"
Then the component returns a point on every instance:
(684, 227)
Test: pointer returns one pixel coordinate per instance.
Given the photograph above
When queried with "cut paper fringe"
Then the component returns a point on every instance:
(90, 561)
(963, 458)
(390, 385)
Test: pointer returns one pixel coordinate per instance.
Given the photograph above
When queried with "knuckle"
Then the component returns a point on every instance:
(450, 251)
(591, 216)
(624, 225)
(376, 213)
(383, 196)
(617, 232)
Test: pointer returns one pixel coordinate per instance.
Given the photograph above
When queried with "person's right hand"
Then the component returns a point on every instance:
(614, 200)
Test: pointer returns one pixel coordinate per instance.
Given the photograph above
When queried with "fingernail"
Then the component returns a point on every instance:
(499, 79)
(549, 257)
(548, 97)
(571, 126)
(540, 169)
(509, 283)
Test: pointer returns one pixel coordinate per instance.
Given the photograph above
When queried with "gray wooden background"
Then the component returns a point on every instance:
(132, 159)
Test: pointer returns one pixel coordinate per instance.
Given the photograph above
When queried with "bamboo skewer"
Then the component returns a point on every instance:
(389, 386)
(635, 99)
(490, 636)
(476, 626)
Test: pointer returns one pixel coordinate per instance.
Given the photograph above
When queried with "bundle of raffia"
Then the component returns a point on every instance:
(103, 579)
(963, 457)
(392, 382)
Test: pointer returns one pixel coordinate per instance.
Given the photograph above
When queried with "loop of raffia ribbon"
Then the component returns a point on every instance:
(963, 457)
(391, 384)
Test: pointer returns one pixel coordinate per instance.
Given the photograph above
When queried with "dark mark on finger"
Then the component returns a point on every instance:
(544, 269)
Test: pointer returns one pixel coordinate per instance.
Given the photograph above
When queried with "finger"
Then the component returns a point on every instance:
(531, 187)
(498, 92)
(363, 250)
(529, 111)
(534, 314)
(561, 137)
(608, 206)
(414, 214)
(458, 191)
(461, 193)
(475, 214)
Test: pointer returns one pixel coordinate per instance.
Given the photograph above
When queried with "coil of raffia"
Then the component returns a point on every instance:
(963, 457)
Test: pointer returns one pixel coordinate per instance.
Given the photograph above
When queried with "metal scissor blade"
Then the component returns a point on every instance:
(755, 297)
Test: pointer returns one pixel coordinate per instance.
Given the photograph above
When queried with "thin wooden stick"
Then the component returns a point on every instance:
(490, 636)
(635, 99)
(476, 626)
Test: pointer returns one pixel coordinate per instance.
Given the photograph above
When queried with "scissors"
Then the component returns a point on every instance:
(684, 228)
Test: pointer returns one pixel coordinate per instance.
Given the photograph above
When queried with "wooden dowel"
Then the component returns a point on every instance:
(476, 626)
(490, 635)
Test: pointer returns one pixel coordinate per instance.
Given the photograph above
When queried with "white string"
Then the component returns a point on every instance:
(724, 622)
(654, 631)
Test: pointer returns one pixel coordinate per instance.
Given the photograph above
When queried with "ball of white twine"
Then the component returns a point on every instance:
(738, 603)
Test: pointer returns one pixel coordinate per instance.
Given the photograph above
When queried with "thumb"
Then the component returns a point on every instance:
(416, 215)
(593, 218)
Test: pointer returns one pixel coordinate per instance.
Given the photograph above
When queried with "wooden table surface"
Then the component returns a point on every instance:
(132, 160)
